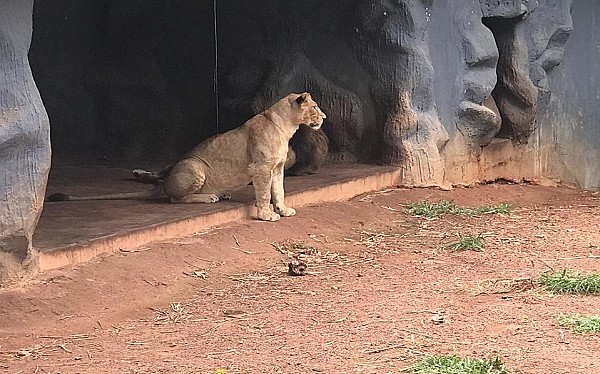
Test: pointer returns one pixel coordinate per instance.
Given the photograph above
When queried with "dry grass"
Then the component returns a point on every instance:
(175, 313)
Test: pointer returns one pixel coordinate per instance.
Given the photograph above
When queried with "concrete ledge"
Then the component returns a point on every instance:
(338, 187)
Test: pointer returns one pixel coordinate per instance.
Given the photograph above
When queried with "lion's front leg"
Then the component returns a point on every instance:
(278, 193)
(262, 189)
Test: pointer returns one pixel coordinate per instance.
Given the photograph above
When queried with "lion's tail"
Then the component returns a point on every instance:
(149, 194)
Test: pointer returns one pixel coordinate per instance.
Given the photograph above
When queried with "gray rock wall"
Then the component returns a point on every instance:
(464, 55)
(571, 124)
(24, 138)
(391, 40)
(453, 92)
(501, 88)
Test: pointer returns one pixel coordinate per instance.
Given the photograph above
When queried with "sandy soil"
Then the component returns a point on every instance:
(381, 291)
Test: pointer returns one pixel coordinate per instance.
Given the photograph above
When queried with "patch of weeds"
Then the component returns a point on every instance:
(426, 209)
(571, 282)
(468, 243)
(504, 285)
(458, 365)
(578, 323)
(341, 319)
(177, 313)
(293, 248)
(301, 247)
(489, 209)
(307, 254)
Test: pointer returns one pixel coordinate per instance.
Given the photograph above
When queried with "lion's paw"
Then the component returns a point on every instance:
(285, 212)
(269, 216)
(206, 198)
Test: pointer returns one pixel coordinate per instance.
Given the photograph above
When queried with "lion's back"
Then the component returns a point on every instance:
(226, 145)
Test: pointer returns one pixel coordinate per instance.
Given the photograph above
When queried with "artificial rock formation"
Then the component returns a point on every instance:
(391, 41)
(24, 139)
(547, 30)
(515, 94)
(478, 118)
(141, 73)
(438, 88)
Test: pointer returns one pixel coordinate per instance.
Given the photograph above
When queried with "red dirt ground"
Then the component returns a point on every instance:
(382, 292)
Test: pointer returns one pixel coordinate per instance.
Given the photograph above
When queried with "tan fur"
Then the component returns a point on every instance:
(255, 152)
(306, 153)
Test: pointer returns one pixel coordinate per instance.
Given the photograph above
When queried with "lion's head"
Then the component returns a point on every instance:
(310, 113)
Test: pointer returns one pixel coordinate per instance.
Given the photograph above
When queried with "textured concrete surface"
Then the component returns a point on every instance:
(24, 137)
(453, 92)
(571, 124)
(73, 232)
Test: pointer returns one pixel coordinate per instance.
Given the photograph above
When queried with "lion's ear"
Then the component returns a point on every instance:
(302, 98)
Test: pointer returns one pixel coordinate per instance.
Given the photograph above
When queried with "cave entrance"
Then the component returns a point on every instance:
(130, 83)
(514, 95)
(134, 80)
(124, 80)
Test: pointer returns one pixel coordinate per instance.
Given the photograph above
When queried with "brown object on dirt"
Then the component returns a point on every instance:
(296, 268)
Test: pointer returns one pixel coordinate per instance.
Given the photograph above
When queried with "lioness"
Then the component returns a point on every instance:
(306, 153)
(255, 152)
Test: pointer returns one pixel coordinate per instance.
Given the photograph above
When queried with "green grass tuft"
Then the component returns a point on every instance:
(571, 282)
(582, 324)
(468, 243)
(302, 246)
(426, 209)
(457, 365)
(490, 209)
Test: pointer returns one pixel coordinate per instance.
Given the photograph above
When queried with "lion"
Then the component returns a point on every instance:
(254, 152)
(307, 152)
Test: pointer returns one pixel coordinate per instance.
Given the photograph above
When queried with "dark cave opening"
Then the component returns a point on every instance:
(129, 80)
(514, 95)
(122, 79)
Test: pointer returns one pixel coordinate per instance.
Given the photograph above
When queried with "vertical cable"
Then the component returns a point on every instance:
(215, 78)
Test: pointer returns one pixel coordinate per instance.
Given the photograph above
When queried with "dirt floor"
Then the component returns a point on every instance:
(382, 290)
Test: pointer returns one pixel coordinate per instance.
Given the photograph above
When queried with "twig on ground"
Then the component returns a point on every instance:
(242, 250)
(62, 346)
(547, 265)
(124, 250)
(220, 353)
(572, 258)
(383, 349)
(135, 343)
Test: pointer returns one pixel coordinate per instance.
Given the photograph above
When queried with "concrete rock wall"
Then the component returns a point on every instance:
(453, 92)
(24, 139)
(569, 131)
(497, 103)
